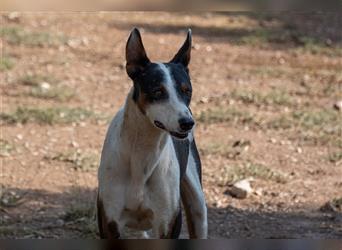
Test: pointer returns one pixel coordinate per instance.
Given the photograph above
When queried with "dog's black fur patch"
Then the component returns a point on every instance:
(182, 81)
(182, 153)
(150, 81)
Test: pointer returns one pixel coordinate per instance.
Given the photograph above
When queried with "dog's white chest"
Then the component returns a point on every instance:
(155, 194)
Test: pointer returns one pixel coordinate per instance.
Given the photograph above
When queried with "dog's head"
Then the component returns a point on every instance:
(162, 91)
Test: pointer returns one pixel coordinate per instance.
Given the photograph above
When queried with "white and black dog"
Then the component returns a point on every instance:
(149, 161)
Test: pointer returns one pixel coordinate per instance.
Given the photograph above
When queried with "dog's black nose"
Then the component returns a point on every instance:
(186, 124)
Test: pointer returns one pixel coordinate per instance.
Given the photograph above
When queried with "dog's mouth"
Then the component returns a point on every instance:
(159, 125)
(179, 135)
(174, 134)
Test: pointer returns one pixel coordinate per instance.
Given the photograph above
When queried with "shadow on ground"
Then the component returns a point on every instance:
(73, 217)
(294, 30)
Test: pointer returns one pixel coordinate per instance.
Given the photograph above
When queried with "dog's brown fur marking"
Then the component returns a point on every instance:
(107, 230)
(142, 102)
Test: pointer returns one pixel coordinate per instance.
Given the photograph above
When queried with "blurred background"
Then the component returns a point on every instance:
(267, 100)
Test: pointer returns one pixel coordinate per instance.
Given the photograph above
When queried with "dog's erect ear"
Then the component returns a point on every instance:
(136, 59)
(183, 55)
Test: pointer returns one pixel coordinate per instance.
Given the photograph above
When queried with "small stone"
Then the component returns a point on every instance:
(299, 150)
(306, 78)
(240, 189)
(258, 192)
(273, 140)
(74, 43)
(74, 144)
(85, 41)
(20, 137)
(281, 61)
(294, 160)
(59, 222)
(45, 86)
(204, 99)
(13, 16)
(338, 105)
(196, 46)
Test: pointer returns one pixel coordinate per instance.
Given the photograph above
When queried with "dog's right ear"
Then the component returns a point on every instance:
(136, 58)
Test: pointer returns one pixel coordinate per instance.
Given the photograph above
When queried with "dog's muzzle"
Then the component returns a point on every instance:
(174, 134)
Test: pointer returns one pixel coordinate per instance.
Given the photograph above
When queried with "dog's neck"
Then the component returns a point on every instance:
(144, 145)
(138, 131)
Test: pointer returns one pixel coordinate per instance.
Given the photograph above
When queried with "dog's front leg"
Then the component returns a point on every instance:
(108, 229)
(194, 204)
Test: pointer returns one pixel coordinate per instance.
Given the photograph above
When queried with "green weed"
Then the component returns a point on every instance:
(16, 35)
(46, 115)
(6, 63)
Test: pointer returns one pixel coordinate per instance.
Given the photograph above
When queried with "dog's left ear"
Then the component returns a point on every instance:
(183, 55)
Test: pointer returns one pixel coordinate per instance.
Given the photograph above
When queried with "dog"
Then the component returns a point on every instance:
(149, 162)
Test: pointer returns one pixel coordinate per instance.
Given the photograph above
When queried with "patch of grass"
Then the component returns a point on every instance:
(80, 161)
(235, 173)
(36, 80)
(6, 63)
(45, 87)
(258, 37)
(318, 127)
(276, 97)
(282, 122)
(314, 119)
(335, 205)
(60, 93)
(215, 148)
(274, 72)
(46, 115)
(78, 212)
(16, 35)
(227, 151)
(5, 148)
(19, 231)
(263, 172)
(316, 46)
(230, 115)
(81, 218)
(292, 38)
(307, 120)
(335, 157)
(10, 198)
(331, 88)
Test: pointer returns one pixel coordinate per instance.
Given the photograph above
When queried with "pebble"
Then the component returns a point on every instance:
(204, 99)
(258, 192)
(14, 16)
(59, 223)
(74, 144)
(45, 86)
(196, 46)
(241, 189)
(273, 140)
(338, 105)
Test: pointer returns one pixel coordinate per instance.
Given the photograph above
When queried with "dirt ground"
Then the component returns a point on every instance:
(266, 98)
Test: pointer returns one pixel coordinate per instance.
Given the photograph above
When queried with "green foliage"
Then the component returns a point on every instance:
(46, 115)
(6, 63)
(16, 35)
